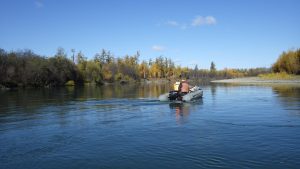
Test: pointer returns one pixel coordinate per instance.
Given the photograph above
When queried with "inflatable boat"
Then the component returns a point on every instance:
(195, 93)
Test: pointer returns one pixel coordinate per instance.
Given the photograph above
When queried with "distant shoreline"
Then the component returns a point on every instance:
(257, 80)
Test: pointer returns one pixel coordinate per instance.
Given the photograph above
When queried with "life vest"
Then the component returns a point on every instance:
(176, 86)
(184, 87)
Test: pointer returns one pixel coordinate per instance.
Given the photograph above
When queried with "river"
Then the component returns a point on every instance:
(126, 126)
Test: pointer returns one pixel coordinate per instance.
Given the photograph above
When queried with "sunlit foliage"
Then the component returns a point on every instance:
(288, 62)
(25, 68)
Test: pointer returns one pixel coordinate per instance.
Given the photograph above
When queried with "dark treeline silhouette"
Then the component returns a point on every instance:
(25, 68)
(288, 62)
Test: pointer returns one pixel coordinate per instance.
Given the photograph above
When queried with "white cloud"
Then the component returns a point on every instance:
(176, 24)
(39, 4)
(204, 20)
(158, 48)
(172, 23)
(197, 21)
(210, 20)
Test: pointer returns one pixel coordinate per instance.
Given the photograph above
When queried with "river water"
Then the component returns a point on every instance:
(127, 127)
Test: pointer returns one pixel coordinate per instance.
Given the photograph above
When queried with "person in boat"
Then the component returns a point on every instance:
(176, 86)
(184, 87)
(180, 88)
(175, 92)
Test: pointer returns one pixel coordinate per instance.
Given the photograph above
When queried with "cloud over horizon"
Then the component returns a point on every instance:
(158, 48)
(204, 20)
(197, 21)
(172, 23)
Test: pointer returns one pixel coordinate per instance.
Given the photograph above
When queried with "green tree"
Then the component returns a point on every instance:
(61, 52)
(73, 55)
(213, 67)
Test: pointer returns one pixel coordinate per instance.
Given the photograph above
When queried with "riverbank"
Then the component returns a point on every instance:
(258, 80)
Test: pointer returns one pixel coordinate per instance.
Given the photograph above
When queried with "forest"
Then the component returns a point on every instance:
(288, 62)
(24, 68)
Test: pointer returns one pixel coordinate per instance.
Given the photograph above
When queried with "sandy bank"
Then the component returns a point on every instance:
(257, 80)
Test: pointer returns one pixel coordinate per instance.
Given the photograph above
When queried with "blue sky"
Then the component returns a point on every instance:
(232, 33)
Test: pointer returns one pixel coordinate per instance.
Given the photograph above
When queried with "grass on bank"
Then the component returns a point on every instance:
(278, 76)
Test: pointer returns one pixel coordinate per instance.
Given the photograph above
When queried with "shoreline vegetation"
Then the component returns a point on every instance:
(269, 78)
(26, 69)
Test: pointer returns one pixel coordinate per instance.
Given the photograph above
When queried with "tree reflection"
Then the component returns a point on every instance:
(289, 96)
(183, 110)
(30, 101)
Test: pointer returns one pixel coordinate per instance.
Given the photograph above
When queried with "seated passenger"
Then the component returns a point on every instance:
(176, 86)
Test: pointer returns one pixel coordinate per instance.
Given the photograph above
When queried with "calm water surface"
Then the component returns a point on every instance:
(126, 127)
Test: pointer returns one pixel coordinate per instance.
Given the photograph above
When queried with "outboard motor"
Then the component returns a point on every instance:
(173, 95)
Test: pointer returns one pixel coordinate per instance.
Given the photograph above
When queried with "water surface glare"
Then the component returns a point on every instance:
(127, 127)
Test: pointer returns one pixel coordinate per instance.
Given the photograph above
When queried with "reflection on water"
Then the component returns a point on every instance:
(183, 109)
(289, 97)
(213, 89)
(287, 92)
(125, 126)
(29, 100)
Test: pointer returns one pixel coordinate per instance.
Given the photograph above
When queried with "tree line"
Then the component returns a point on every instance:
(25, 68)
(288, 62)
